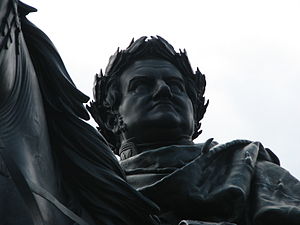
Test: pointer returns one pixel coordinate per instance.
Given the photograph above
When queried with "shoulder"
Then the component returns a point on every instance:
(248, 146)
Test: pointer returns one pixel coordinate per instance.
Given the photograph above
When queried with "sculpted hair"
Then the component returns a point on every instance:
(107, 94)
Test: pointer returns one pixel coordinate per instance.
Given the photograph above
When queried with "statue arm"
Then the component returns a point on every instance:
(9, 34)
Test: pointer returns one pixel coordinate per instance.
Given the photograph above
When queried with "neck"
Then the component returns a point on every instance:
(129, 148)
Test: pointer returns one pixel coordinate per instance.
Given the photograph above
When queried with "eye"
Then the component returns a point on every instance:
(139, 85)
(176, 86)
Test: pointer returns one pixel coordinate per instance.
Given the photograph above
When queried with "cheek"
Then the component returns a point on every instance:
(191, 112)
(189, 117)
(125, 108)
(185, 103)
(130, 107)
(188, 110)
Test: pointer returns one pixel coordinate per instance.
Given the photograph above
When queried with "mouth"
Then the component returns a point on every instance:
(163, 103)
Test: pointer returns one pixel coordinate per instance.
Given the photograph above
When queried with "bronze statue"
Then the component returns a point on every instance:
(125, 110)
(57, 169)
(148, 105)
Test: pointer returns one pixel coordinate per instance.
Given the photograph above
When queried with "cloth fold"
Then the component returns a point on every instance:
(239, 182)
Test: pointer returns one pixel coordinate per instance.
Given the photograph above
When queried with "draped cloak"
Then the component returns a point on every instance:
(42, 118)
(239, 182)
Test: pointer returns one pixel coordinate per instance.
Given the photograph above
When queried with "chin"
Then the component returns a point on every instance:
(168, 129)
(166, 126)
(163, 135)
(165, 120)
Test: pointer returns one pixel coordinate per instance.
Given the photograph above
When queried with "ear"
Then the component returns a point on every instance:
(115, 123)
(111, 122)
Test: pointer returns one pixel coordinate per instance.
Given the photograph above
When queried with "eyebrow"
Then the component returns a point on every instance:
(136, 78)
(141, 77)
(177, 79)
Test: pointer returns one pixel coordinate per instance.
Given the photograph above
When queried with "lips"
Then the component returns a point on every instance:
(163, 103)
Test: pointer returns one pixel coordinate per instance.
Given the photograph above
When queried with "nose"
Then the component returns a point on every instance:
(162, 90)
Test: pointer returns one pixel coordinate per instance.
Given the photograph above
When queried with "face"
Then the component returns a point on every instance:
(155, 106)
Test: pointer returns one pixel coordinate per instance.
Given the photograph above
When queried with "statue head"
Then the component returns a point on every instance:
(149, 95)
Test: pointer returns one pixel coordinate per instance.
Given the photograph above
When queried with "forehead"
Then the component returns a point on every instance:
(156, 68)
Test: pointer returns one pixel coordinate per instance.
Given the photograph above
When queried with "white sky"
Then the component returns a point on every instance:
(249, 51)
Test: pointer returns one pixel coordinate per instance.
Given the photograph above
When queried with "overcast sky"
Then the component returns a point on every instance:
(249, 51)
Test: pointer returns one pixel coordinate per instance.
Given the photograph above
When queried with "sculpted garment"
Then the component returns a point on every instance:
(240, 182)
